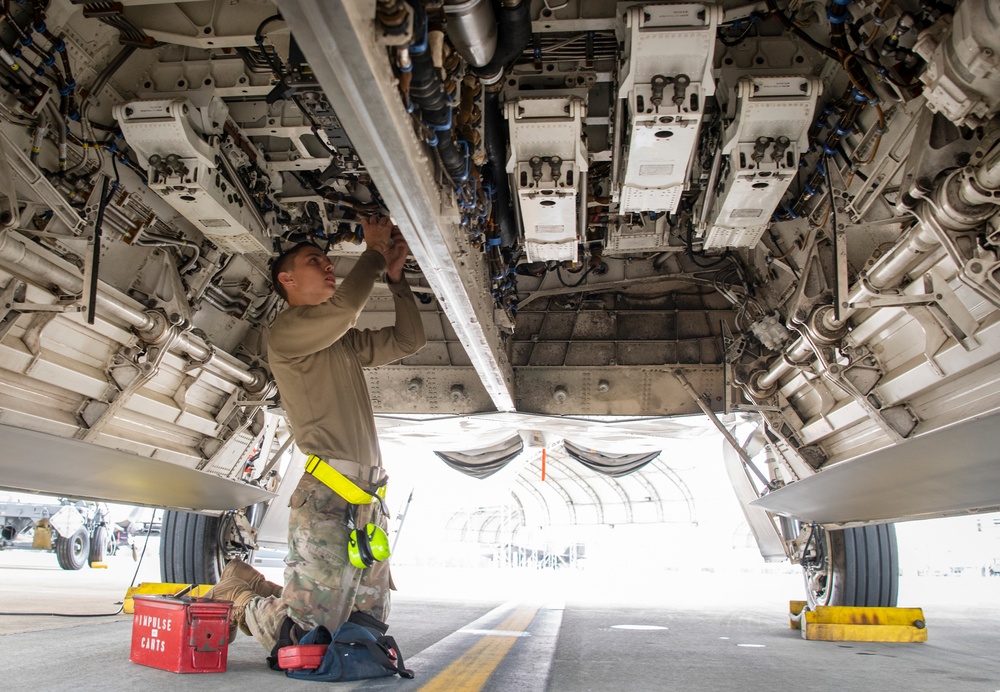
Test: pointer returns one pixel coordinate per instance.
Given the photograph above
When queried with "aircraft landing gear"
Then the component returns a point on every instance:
(189, 548)
(852, 567)
(194, 548)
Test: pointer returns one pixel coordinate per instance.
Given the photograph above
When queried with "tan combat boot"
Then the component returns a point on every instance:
(258, 584)
(237, 591)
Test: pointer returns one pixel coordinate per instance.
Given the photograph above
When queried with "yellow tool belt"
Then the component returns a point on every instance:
(341, 484)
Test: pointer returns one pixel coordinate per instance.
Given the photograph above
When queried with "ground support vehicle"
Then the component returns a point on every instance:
(78, 532)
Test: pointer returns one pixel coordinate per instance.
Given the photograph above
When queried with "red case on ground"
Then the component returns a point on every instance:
(301, 656)
(181, 634)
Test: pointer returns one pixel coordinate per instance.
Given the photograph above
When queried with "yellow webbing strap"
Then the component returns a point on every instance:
(339, 483)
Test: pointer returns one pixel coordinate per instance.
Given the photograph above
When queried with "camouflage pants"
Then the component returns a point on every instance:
(322, 587)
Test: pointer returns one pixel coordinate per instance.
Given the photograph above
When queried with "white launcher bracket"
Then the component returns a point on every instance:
(760, 156)
(177, 143)
(549, 167)
(666, 77)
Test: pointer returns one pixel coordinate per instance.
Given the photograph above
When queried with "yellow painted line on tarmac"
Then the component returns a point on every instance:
(473, 668)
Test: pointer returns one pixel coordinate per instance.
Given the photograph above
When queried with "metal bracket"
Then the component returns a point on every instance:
(942, 303)
(841, 282)
(14, 290)
(896, 432)
(9, 213)
(247, 532)
(951, 313)
(896, 301)
(126, 376)
(10, 302)
(934, 335)
(199, 364)
(42, 307)
(801, 303)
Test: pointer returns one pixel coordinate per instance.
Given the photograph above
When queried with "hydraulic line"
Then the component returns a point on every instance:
(959, 202)
(232, 305)
(102, 79)
(146, 238)
(858, 96)
(428, 93)
(150, 326)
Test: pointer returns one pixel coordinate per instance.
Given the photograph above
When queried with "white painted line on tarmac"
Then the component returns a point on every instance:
(524, 667)
(485, 659)
(638, 627)
(753, 646)
(435, 658)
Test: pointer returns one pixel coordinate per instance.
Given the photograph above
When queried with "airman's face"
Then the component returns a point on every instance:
(310, 281)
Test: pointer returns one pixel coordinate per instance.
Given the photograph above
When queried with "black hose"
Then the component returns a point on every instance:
(427, 91)
(772, 7)
(453, 159)
(428, 94)
(496, 149)
(513, 34)
(694, 256)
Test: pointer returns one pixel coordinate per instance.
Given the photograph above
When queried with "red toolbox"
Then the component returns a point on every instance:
(181, 634)
(301, 656)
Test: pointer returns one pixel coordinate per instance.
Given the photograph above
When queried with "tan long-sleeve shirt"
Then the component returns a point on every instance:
(317, 355)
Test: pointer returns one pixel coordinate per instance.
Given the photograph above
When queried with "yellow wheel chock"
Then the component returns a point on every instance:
(161, 588)
(858, 623)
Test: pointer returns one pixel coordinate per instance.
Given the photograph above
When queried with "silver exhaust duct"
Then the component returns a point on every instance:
(472, 29)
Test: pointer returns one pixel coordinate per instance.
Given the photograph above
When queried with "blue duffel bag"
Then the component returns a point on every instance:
(354, 653)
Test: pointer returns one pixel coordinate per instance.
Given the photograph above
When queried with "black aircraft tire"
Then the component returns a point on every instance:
(861, 568)
(189, 548)
(98, 545)
(72, 551)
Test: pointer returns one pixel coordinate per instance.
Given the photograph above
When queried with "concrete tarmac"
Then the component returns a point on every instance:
(561, 631)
